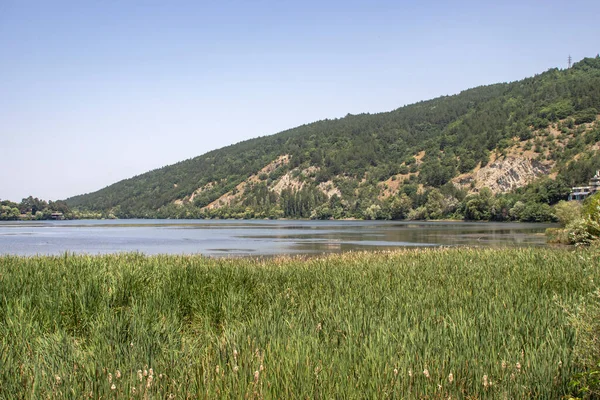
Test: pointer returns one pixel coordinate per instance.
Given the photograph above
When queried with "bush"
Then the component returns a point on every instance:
(582, 224)
(586, 116)
(557, 235)
(540, 123)
(525, 134)
(567, 211)
(373, 212)
(578, 234)
(417, 214)
(591, 214)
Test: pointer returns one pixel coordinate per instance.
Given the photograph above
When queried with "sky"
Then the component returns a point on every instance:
(93, 92)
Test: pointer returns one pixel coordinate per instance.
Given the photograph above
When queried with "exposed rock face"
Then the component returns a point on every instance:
(509, 173)
(287, 182)
(329, 189)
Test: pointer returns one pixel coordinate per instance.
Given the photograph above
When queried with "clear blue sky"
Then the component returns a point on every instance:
(92, 92)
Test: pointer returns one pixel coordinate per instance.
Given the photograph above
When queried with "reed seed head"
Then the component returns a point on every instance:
(113, 387)
(426, 373)
(256, 376)
(450, 377)
(118, 374)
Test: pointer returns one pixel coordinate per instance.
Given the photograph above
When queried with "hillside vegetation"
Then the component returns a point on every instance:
(432, 159)
(428, 324)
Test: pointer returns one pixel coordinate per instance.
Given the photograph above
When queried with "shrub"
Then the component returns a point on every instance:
(567, 211)
(591, 214)
(417, 214)
(540, 123)
(586, 116)
(557, 235)
(578, 234)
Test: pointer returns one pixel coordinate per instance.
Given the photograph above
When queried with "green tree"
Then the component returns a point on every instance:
(434, 204)
(478, 207)
(400, 206)
(567, 212)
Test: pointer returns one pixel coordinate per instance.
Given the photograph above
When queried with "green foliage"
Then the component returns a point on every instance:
(591, 214)
(400, 207)
(581, 170)
(374, 211)
(436, 174)
(567, 211)
(478, 206)
(586, 116)
(33, 208)
(8, 213)
(558, 110)
(536, 212)
(581, 224)
(300, 203)
(545, 190)
(578, 233)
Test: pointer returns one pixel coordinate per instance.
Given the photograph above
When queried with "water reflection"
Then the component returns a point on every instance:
(238, 238)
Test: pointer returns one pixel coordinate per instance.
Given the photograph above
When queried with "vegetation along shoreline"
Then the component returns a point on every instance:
(425, 323)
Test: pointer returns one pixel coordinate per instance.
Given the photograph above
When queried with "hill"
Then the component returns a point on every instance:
(491, 144)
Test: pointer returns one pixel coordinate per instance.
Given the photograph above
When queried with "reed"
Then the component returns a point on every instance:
(436, 324)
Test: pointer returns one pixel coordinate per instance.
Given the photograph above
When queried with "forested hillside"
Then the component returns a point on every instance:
(504, 151)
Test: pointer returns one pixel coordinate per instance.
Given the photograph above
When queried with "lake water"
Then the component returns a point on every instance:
(254, 237)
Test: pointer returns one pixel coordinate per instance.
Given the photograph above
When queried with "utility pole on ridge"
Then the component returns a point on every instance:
(569, 61)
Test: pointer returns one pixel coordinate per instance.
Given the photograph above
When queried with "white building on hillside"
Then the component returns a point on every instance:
(582, 192)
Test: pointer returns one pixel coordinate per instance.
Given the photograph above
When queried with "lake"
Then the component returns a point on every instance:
(254, 237)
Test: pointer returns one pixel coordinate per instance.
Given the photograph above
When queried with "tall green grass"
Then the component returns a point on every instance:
(431, 324)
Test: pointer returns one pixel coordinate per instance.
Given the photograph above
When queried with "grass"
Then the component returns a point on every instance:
(435, 324)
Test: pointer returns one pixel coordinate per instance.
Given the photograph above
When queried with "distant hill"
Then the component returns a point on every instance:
(503, 137)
